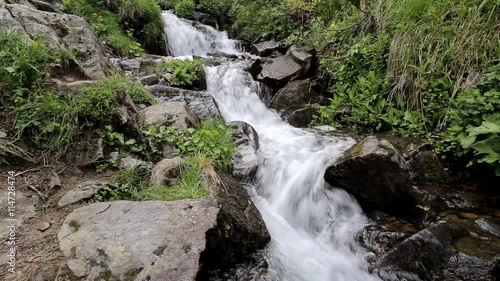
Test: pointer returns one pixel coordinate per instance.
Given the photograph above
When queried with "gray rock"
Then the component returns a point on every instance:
(167, 172)
(42, 226)
(150, 80)
(130, 162)
(426, 168)
(44, 6)
(60, 30)
(138, 240)
(375, 173)
(254, 68)
(295, 95)
(488, 226)
(3, 134)
(201, 103)
(245, 162)
(280, 71)
(175, 114)
(78, 86)
(131, 65)
(265, 49)
(83, 191)
(305, 56)
(301, 118)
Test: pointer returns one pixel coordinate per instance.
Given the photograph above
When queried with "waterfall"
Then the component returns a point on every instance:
(312, 227)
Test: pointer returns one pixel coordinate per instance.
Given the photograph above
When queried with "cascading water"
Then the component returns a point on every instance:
(186, 37)
(312, 226)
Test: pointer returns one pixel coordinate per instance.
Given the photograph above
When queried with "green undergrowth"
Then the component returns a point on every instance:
(185, 73)
(417, 67)
(52, 120)
(207, 149)
(127, 26)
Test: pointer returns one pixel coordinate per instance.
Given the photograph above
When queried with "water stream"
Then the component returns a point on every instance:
(312, 227)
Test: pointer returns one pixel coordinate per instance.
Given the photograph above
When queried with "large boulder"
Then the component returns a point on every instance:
(429, 255)
(59, 30)
(175, 114)
(301, 118)
(138, 240)
(201, 103)
(266, 48)
(295, 95)
(376, 174)
(305, 56)
(280, 71)
(245, 162)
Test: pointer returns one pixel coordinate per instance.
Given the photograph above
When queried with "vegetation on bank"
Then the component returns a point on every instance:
(126, 26)
(415, 67)
(53, 120)
(208, 149)
(185, 72)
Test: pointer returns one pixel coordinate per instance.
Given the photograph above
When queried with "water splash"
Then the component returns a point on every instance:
(185, 37)
(312, 226)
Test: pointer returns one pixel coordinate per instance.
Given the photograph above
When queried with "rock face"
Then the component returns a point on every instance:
(175, 114)
(200, 102)
(295, 95)
(266, 48)
(59, 30)
(138, 240)
(429, 255)
(167, 172)
(375, 173)
(280, 71)
(245, 162)
(84, 191)
(426, 168)
(301, 118)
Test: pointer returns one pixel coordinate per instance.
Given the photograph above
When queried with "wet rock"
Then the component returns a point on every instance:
(379, 240)
(423, 254)
(59, 30)
(305, 56)
(150, 80)
(175, 114)
(138, 240)
(488, 226)
(265, 48)
(42, 226)
(301, 118)
(295, 95)
(375, 173)
(201, 103)
(83, 191)
(463, 267)
(245, 162)
(280, 71)
(222, 55)
(254, 68)
(167, 172)
(425, 167)
(206, 19)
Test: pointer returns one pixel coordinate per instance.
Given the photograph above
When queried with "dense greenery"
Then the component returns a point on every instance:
(127, 26)
(185, 72)
(208, 148)
(417, 67)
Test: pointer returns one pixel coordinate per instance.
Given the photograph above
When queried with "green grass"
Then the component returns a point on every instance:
(8, 148)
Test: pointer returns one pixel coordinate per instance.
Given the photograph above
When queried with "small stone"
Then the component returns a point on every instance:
(69, 79)
(3, 134)
(42, 226)
(150, 80)
(55, 181)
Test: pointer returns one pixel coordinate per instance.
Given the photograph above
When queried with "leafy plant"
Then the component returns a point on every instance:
(185, 73)
(185, 9)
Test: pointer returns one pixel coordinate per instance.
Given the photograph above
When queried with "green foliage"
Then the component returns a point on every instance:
(185, 9)
(127, 186)
(8, 148)
(215, 7)
(107, 26)
(24, 65)
(186, 73)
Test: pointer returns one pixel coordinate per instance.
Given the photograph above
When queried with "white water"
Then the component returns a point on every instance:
(312, 228)
(186, 37)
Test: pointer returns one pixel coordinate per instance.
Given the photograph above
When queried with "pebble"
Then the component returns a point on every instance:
(3, 134)
(42, 226)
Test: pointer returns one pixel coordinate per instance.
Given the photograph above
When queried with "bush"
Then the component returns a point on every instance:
(185, 9)
(187, 73)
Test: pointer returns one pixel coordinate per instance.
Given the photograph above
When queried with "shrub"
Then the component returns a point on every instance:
(24, 65)
(185, 73)
(185, 9)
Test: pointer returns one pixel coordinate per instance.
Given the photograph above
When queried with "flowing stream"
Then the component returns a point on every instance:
(312, 226)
